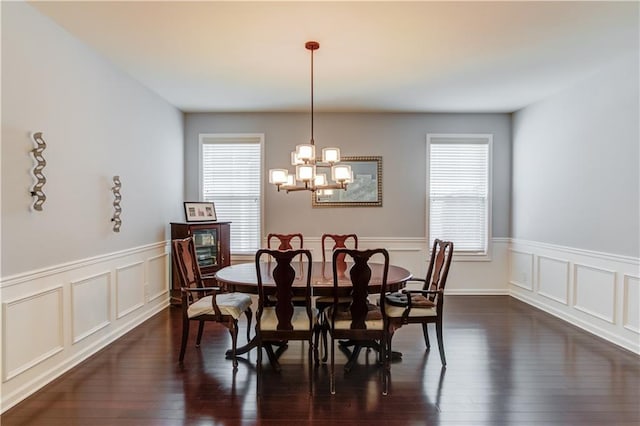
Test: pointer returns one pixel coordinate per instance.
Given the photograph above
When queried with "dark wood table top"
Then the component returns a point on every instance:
(243, 276)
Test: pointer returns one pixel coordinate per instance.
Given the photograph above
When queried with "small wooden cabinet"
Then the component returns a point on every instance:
(212, 249)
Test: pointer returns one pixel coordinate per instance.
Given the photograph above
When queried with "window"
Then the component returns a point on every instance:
(459, 191)
(231, 177)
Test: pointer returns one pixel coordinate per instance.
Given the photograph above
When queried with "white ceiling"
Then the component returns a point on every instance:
(373, 56)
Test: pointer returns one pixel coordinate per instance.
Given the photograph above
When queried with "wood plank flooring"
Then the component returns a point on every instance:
(508, 364)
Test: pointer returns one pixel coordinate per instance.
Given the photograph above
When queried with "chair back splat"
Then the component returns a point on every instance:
(339, 241)
(285, 241)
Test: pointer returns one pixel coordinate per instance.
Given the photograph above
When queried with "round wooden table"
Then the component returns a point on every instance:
(242, 277)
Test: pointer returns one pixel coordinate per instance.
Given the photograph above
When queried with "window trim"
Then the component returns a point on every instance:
(465, 138)
(206, 138)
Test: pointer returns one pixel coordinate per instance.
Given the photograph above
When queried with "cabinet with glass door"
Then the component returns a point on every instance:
(211, 241)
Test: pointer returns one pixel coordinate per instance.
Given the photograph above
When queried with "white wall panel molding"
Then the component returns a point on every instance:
(157, 276)
(594, 291)
(90, 305)
(87, 305)
(13, 393)
(631, 313)
(521, 269)
(75, 265)
(553, 278)
(24, 347)
(129, 288)
(598, 292)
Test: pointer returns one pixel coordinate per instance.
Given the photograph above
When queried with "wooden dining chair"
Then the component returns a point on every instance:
(339, 241)
(322, 303)
(285, 240)
(359, 321)
(423, 306)
(201, 303)
(284, 321)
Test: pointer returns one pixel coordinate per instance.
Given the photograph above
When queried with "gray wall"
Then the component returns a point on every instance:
(399, 138)
(576, 164)
(98, 122)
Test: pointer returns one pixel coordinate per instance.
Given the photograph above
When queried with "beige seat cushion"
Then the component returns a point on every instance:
(233, 304)
(397, 311)
(417, 300)
(299, 321)
(343, 318)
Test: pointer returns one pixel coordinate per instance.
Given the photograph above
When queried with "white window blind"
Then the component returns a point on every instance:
(459, 192)
(230, 177)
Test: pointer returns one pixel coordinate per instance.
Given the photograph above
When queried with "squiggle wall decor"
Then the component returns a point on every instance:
(37, 191)
(117, 222)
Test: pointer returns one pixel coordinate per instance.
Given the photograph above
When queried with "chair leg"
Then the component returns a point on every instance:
(312, 350)
(200, 330)
(233, 330)
(249, 314)
(440, 342)
(425, 333)
(259, 369)
(185, 337)
(384, 342)
(325, 331)
(332, 369)
(316, 338)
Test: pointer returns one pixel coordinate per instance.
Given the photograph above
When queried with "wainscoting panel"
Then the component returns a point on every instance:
(598, 292)
(25, 346)
(553, 279)
(595, 291)
(157, 276)
(56, 317)
(129, 288)
(90, 305)
(631, 316)
(521, 269)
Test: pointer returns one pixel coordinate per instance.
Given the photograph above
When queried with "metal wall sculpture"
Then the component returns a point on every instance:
(37, 191)
(117, 222)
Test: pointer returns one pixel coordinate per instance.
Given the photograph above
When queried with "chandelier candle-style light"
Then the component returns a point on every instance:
(306, 177)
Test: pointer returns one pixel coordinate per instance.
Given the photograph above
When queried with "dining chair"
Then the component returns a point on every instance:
(284, 241)
(201, 303)
(339, 241)
(360, 320)
(423, 306)
(322, 303)
(283, 321)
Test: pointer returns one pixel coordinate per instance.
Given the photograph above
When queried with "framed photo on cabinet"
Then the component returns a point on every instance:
(198, 211)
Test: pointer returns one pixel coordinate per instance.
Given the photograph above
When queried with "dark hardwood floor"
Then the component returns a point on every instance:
(508, 364)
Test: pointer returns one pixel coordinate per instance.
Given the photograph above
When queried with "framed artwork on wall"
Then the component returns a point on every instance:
(364, 191)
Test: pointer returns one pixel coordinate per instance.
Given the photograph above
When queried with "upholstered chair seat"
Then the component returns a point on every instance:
(233, 304)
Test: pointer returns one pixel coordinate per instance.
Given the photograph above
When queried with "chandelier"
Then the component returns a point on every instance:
(308, 176)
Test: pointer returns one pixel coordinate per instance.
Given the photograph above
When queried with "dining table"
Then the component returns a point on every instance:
(242, 277)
